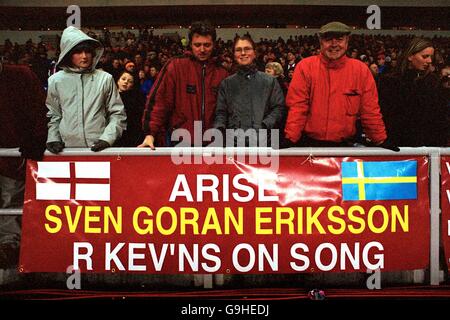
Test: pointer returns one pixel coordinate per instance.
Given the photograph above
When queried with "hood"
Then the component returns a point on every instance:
(70, 38)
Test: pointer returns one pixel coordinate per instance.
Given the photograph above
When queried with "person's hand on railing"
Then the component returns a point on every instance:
(100, 145)
(55, 146)
(387, 144)
(149, 141)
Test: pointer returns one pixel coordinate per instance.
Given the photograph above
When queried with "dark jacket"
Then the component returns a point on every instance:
(249, 99)
(185, 91)
(23, 121)
(415, 109)
(134, 101)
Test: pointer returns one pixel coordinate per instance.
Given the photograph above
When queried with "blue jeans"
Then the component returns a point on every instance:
(11, 196)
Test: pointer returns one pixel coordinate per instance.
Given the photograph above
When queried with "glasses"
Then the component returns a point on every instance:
(243, 50)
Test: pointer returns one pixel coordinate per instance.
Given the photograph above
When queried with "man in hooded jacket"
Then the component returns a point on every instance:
(85, 108)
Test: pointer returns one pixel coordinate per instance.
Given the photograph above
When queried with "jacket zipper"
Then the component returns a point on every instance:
(203, 96)
(328, 103)
(82, 111)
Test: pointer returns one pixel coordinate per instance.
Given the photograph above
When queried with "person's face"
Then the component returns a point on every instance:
(290, 73)
(244, 54)
(153, 72)
(290, 56)
(445, 76)
(116, 64)
(334, 47)
(130, 67)
(270, 71)
(82, 59)
(422, 60)
(141, 74)
(374, 68)
(202, 46)
(125, 82)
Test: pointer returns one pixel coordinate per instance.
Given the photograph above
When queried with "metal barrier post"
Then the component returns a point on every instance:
(434, 215)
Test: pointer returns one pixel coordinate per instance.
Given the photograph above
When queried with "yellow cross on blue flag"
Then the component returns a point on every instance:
(379, 180)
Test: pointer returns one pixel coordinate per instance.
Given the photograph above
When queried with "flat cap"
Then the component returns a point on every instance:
(335, 27)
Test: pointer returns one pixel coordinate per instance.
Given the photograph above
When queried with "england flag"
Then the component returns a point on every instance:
(73, 180)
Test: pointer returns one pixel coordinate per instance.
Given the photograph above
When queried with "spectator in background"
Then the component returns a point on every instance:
(115, 68)
(381, 63)
(445, 77)
(276, 70)
(23, 125)
(414, 101)
(249, 99)
(130, 67)
(85, 109)
(291, 61)
(133, 100)
(328, 92)
(374, 70)
(145, 83)
(185, 91)
(154, 71)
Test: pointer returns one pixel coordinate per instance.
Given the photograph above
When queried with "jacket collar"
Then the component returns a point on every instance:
(335, 64)
(213, 60)
(247, 71)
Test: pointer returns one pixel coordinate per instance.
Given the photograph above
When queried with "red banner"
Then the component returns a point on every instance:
(445, 206)
(163, 214)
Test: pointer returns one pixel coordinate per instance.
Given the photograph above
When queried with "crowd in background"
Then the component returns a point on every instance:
(144, 54)
(111, 75)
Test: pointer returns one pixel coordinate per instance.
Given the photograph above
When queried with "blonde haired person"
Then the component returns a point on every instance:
(276, 70)
(414, 101)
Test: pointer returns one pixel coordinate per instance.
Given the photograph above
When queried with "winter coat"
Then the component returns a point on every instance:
(185, 91)
(22, 116)
(249, 99)
(415, 109)
(134, 105)
(83, 106)
(325, 98)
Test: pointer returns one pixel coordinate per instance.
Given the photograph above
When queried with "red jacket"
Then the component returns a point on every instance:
(23, 121)
(185, 91)
(325, 98)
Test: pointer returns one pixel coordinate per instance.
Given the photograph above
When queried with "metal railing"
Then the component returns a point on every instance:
(433, 153)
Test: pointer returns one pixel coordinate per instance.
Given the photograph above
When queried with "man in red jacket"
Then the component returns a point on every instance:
(23, 124)
(329, 92)
(185, 90)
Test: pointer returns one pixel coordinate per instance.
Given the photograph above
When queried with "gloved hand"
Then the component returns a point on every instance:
(55, 146)
(387, 144)
(99, 145)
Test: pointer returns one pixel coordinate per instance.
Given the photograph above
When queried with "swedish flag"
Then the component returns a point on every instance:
(379, 180)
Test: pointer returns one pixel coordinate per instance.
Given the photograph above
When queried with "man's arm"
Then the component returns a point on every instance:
(297, 103)
(160, 102)
(34, 146)
(221, 117)
(277, 105)
(54, 112)
(371, 118)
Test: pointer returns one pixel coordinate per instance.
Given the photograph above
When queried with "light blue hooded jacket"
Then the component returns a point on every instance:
(84, 105)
